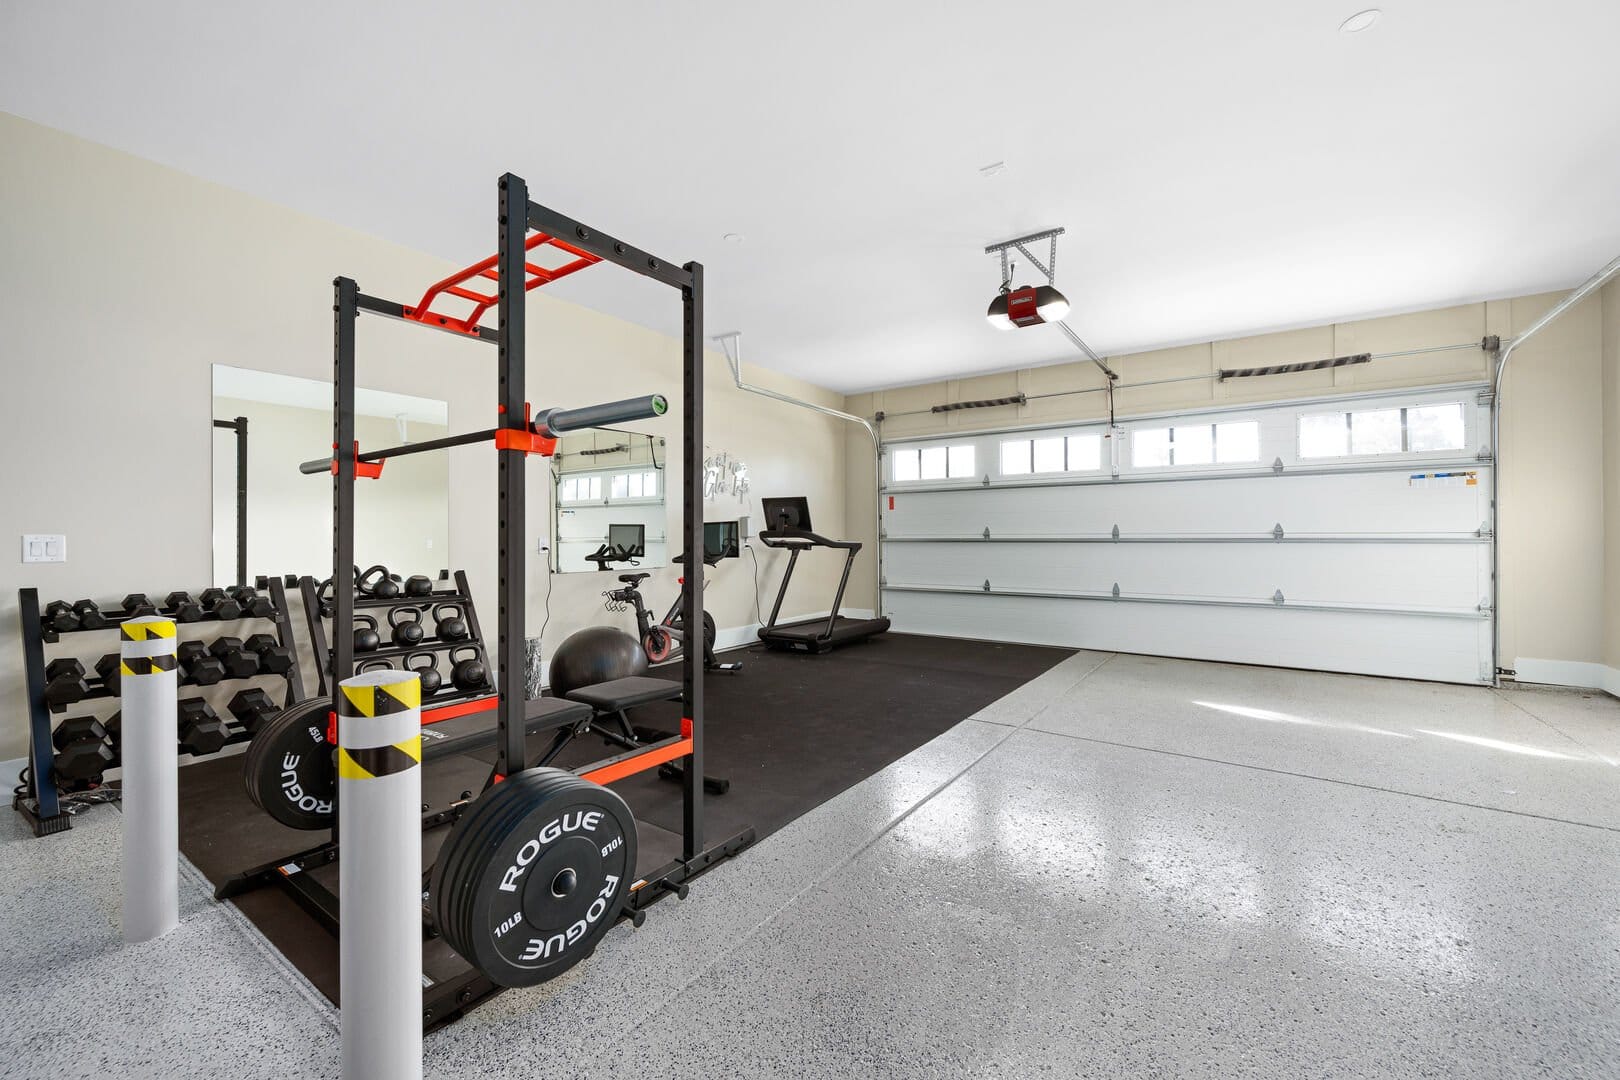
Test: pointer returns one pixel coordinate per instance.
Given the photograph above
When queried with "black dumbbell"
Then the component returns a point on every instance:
(468, 673)
(64, 682)
(451, 627)
(201, 729)
(218, 603)
(114, 726)
(90, 616)
(75, 728)
(136, 604)
(239, 663)
(428, 672)
(201, 666)
(108, 668)
(274, 657)
(252, 604)
(183, 607)
(252, 708)
(84, 760)
(59, 616)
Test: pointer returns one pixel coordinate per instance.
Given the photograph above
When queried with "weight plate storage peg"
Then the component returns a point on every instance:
(289, 770)
(533, 874)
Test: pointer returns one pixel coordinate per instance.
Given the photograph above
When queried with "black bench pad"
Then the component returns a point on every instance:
(616, 694)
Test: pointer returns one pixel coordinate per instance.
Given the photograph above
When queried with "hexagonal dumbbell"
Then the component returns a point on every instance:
(218, 603)
(108, 668)
(83, 760)
(253, 605)
(252, 708)
(75, 728)
(201, 667)
(201, 729)
(136, 604)
(90, 616)
(274, 657)
(64, 682)
(59, 616)
(181, 605)
(239, 663)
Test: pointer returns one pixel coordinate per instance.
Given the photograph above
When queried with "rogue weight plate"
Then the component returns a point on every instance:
(289, 771)
(534, 874)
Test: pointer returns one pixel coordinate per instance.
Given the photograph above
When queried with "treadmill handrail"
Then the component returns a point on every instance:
(804, 537)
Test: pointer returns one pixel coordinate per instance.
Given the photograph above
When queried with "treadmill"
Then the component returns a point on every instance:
(788, 527)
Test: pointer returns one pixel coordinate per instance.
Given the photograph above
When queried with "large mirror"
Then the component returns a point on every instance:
(608, 501)
(272, 423)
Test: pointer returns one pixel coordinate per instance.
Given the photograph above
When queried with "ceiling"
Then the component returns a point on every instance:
(1221, 168)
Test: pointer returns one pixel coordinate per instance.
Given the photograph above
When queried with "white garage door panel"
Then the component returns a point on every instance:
(1392, 575)
(1406, 646)
(1343, 503)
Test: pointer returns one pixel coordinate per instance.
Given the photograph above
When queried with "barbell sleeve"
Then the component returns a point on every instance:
(554, 422)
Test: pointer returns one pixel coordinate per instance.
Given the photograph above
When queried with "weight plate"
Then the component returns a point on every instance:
(534, 874)
(289, 770)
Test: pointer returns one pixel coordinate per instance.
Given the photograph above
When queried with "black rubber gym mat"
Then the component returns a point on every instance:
(790, 731)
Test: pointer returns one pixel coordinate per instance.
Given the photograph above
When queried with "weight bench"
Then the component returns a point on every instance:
(477, 731)
(609, 703)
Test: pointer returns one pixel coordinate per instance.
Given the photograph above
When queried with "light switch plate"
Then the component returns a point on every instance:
(43, 547)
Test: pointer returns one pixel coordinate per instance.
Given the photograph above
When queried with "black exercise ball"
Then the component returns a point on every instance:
(595, 655)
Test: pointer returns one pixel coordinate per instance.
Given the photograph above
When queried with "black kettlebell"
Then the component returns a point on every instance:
(373, 665)
(468, 674)
(418, 585)
(366, 638)
(409, 633)
(385, 587)
(452, 627)
(429, 672)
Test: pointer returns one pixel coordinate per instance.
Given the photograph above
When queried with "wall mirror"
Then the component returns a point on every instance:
(272, 423)
(608, 501)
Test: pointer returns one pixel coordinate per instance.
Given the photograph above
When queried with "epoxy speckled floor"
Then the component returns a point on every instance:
(1128, 867)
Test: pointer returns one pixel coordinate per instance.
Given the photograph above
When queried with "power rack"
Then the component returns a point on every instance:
(520, 431)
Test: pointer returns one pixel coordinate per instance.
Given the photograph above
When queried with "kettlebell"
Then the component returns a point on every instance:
(366, 638)
(406, 633)
(373, 665)
(418, 585)
(385, 587)
(429, 672)
(468, 674)
(452, 627)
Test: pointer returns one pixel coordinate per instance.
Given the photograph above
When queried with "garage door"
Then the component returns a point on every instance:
(1344, 535)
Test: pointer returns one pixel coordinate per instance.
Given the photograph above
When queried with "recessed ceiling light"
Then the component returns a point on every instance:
(995, 168)
(734, 237)
(1361, 20)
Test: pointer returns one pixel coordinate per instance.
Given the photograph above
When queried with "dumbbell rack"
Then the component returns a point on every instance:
(461, 597)
(38, 800)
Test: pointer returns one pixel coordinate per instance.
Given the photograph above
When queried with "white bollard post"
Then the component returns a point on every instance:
(149, 686)
(379, 808)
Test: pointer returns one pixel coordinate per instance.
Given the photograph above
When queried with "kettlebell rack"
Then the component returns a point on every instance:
(39, 797)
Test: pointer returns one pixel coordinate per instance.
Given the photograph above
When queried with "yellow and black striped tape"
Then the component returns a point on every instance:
(147, 631)
(373, 761)
(381, 700)
(146, 665)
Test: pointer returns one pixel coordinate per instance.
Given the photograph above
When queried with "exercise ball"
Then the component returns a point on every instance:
(595, 655)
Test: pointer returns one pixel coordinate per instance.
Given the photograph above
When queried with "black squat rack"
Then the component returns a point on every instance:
(520, 431)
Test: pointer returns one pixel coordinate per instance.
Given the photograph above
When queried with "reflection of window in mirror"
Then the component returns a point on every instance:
(607, 479)
(402, 519)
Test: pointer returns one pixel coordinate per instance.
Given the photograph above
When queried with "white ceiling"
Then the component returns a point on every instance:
(1222, 168)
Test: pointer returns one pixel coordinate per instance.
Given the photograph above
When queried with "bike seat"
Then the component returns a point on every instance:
(634, 579)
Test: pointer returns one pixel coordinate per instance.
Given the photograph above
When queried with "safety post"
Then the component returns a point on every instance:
(149, 685)
(379, 771)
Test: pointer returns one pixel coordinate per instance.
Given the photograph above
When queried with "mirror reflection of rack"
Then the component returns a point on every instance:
(608, 483)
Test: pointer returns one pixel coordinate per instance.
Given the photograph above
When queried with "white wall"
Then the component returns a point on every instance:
(1555, 443)
(122, 282)
(404, 524)
(1611, 480)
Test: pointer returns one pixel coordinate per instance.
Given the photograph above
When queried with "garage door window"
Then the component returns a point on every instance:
(1051, 454)
(580, 489)
(931, 463)
(1196, 444)
(1419, 429)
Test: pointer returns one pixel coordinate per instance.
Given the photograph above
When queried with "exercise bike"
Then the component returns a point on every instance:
(664, 640)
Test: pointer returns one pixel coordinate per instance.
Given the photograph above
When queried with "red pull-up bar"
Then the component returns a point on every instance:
(456, 285)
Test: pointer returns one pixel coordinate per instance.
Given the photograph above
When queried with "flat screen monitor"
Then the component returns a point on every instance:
(631, 538)
(782, 514)
(720, 539)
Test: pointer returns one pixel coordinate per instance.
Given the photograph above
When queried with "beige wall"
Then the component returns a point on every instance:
(1552, 547)
(1610, 301)
(122, 282)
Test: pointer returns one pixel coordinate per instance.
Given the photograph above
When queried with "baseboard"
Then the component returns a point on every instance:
(1567, 673)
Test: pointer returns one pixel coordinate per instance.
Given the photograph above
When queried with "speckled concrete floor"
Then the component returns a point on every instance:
(1129, 866)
